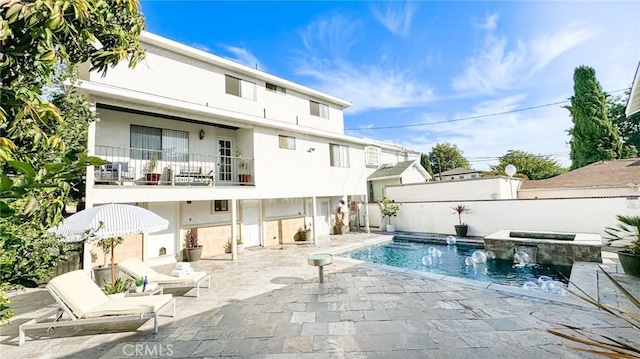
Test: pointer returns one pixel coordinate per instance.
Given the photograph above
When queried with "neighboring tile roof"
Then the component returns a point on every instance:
(598, 174)
(388, 170)
(457, 171)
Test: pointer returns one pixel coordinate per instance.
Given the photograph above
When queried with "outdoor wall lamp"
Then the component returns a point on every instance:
(202, 134)
(311, 149)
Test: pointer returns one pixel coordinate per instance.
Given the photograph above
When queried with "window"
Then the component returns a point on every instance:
(339, 155)
(372, 156)
(473, 176)
(287, 142)
(461, 177)
(319, 109)
(220, 205)
(164, 144)
(276, 88)
(238, 87)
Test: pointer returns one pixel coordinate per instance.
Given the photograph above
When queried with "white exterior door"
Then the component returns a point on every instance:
(225, 160)
(323, 216)
(251, 223)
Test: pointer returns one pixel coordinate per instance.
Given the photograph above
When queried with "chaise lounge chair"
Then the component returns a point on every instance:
(135, 268)
(85, 303)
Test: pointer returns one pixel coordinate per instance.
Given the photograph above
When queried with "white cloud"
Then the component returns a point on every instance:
(244, 56)
(396, 17)
(332, 36)
(327, 42)
(490, 22)
(481, 140)
(367, 87)
(498, 66)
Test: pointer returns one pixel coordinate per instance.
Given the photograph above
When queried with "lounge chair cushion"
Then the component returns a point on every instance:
(169, 279)
(78, 292)
(136, 268)
(129, 305)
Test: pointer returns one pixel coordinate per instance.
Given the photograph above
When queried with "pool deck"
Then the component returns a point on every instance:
(269, 304)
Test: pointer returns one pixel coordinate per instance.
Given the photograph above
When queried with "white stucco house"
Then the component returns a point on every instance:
(399, 173)
(633, 105)
(211, 144)
(457, 174)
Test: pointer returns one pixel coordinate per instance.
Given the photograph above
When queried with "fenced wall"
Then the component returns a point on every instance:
(585, 215)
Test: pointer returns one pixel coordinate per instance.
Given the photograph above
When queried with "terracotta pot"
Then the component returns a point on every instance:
(153, 178)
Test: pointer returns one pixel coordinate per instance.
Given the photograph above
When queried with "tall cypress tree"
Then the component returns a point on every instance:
(593, 136)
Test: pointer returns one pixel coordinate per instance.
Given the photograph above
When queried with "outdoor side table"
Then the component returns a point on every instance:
(320, 260)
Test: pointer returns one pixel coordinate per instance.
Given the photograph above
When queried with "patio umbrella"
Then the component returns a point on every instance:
(109, 221)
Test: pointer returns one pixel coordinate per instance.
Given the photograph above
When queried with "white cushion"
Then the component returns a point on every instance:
(129, 305)
(168, 279)
(136, 268)
(78, 292)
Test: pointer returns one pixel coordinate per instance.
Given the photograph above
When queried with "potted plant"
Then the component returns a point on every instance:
(192, 249)
(102, 273)
(461, 228)
(117, 289)
(243, 165)
(304, 233)
(139, 282)
(389, 209)
(150, 170)
(627, 230)
(239, 245)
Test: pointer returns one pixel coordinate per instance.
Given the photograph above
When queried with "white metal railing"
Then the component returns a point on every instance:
(150, 167)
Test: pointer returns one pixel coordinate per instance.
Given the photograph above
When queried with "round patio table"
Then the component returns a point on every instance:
(320, 260)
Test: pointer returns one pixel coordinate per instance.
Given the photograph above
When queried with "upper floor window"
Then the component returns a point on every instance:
(163, 144)
(372, 156)
(339, 155)
(276, 88)
(319, 109)
(238, 87)
(287, 142)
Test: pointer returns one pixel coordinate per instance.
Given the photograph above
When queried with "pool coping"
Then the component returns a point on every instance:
(451, 279)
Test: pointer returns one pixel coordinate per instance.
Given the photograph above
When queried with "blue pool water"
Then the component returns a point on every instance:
(408, 254)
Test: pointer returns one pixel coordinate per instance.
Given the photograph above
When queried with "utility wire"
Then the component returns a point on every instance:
(470, 118)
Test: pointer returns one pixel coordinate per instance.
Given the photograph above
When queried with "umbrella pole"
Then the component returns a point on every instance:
(113, 271)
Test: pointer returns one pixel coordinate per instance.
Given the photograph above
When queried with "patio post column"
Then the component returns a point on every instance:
(234, 230)
(313, 219)
(366, 213)
(89, 183)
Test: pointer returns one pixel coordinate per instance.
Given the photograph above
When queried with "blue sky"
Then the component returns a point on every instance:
(412, 63)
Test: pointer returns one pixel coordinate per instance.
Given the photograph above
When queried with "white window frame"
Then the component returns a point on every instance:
(372, 156)
(318, 109)
(338, 155)
(245, 89)
(287, 142)
(275, 88)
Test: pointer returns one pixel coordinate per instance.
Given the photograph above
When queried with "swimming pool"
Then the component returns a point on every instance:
(451, 261)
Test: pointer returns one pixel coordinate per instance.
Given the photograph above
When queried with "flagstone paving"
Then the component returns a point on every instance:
(269, 304)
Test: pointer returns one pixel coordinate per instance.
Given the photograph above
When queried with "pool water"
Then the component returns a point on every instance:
(409, 254)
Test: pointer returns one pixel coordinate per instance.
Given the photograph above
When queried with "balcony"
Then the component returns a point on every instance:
(132, 166)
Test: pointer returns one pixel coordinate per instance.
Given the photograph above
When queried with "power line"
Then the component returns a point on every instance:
(469, 118)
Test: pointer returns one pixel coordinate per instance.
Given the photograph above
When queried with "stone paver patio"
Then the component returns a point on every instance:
(269, 304)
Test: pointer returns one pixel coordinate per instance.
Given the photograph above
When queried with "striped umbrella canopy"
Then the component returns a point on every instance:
(117, 220)
(109, 221)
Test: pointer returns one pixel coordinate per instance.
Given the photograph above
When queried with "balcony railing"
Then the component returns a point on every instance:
(148, 167)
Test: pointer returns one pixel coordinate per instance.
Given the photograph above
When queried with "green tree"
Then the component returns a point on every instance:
(36, 166)
(424, 161)
(629, 127)
(593, 136)
(446, 156)
(529, 166)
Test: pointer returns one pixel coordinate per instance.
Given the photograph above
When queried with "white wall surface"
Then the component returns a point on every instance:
(561, 215)
(168, 237)
(283, 207)
(453, 190)
(412, 175)
(577, 192)
(177, 76)
(200, 213)
(380, 185)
